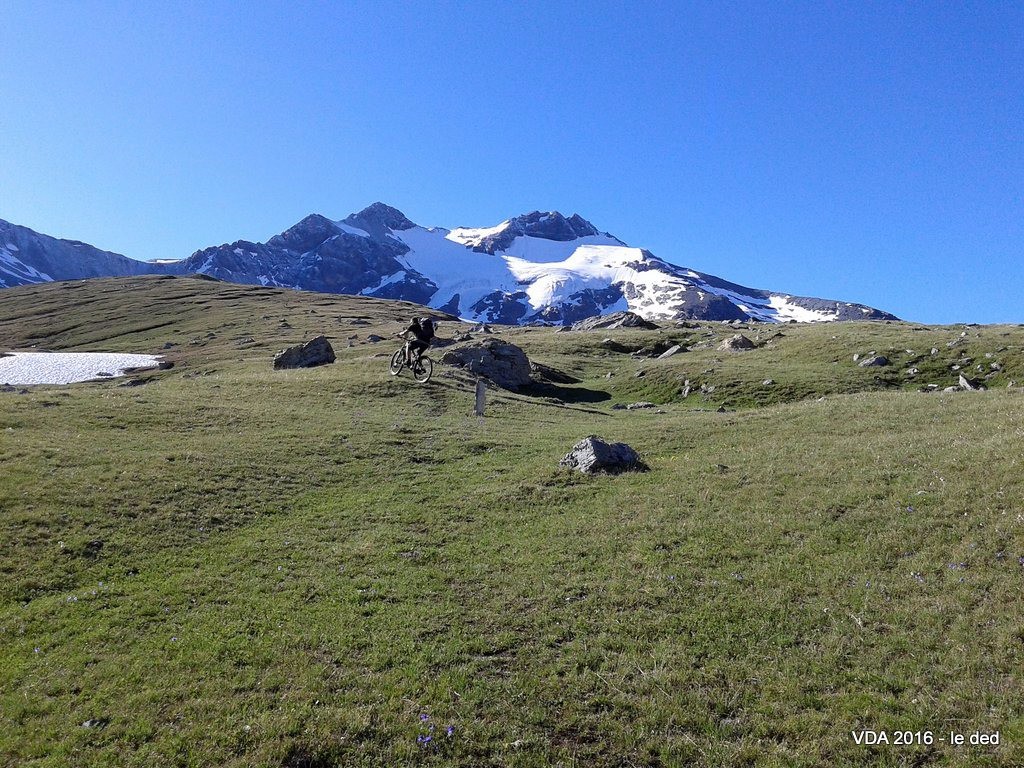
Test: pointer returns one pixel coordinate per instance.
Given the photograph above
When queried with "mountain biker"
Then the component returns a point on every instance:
(422, 330)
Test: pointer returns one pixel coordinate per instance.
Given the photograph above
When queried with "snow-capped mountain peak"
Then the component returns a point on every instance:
(378, 220)
(551, 225)
(307, 234)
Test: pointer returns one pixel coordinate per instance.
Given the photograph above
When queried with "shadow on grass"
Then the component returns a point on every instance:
(565, 394)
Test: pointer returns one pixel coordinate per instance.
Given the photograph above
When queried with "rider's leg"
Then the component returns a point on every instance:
(417, 348)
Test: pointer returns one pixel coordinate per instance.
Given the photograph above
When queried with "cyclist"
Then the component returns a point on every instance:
(422, 330)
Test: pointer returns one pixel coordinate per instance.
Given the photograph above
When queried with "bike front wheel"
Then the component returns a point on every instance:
(423, 369)
(397, 362)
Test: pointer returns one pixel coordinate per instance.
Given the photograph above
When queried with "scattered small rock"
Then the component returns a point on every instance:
(373, 338)
(92, 548)
(874, 360)
(971, 385)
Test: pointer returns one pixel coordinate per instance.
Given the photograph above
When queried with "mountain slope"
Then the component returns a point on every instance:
(538, 267)
(26, 257)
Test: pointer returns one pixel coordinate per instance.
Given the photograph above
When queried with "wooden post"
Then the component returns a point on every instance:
(481, 397)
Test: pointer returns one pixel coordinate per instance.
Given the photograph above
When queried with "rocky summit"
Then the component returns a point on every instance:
(536, 268)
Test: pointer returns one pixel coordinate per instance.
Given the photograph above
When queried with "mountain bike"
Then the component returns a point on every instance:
(422, 366)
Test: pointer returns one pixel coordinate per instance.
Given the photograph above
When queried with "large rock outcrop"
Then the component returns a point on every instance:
(736, 343)
(499, 361)
(614, 320)
(316, 352)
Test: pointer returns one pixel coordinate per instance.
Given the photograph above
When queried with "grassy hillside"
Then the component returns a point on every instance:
(239, 566)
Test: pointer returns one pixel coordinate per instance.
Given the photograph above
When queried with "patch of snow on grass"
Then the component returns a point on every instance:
(25, 368)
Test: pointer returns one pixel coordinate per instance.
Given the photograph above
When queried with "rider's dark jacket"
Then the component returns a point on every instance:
(420, 333)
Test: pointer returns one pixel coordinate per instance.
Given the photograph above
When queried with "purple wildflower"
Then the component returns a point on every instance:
(450, 731)
(424, 717)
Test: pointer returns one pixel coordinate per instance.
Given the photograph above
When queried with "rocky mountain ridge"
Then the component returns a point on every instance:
(537, 267)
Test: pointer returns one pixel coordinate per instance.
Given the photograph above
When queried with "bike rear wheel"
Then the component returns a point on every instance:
(423, 369)
(397, 362)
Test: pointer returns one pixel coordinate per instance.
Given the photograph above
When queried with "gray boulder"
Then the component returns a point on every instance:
(736, 343)
(971, 385)
(315, 352)
(614, 320)
(503, 363)
(592, 455)
(874, 360)
(673, 350)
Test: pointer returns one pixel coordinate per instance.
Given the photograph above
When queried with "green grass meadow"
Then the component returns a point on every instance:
(234, 566)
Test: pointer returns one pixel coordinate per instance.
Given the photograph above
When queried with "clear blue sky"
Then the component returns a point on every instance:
(871, 152)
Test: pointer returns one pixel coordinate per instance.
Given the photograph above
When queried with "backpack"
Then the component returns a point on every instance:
(427, 326)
